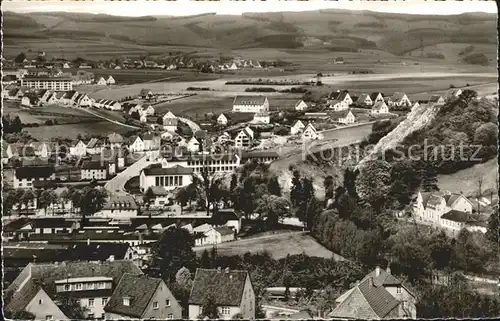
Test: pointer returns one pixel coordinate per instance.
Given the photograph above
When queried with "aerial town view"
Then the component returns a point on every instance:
(250, 160)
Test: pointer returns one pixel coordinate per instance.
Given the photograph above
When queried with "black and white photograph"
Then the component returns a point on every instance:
(277, 160)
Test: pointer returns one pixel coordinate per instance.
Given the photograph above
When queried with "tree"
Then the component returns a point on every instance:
(467, 96)
(429, 178)
(73, 309)
(412, 260)
(148, 197)
(135, 115)
(374, 183)
(328, 185)
(173, 251)
(273, 209)
(47, 197)
(92, 201)
(182, 196)
(20, 58)
(273, 186)
(205, 261)
(493, 228)
(209, 307)
(27, 198)
(9, 200)
(183, 276)
(486, 135)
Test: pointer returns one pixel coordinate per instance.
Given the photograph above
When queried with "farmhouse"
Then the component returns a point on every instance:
(436, 100)
(168, 177)
(364, 100)
(233, 293)
(301, 105)
(244, 138)
(261, 118)
(170, 122)
(340, 96)
(250, 104)
(400, 100)
(380, 107)
(52, 83)
(310, 133)
(378, 296)
(298, 127)
(346, 117)
(222, 120)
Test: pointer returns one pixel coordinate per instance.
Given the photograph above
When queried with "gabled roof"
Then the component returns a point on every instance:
(397, 96)
(225, 285)
(224, 230)
(34, 172)
(458, 216)
(93, 165)
(176, 170)
(363, 97)
(115, 138)
(379, 105)
(249, 100)
(169, 115)
(338, 95)
(383, 278)
(451, 198)
(139, 288)
(98, 251)
(435, 98)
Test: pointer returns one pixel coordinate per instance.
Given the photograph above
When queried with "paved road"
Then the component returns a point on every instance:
(194, 126)
(117, 184)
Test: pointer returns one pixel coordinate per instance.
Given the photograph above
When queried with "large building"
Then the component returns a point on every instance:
(24, 177)
(168, 177)
(250, 104)
(232, 292)
(51, 83)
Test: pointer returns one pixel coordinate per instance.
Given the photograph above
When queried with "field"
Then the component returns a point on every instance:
(39, 115)
(196, 106)
(278, 246)
(468, 179)
(98, 128)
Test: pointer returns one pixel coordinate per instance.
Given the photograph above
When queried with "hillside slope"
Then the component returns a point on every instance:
(394, 33)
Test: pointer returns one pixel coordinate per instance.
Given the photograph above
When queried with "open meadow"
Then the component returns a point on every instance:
(97, 128)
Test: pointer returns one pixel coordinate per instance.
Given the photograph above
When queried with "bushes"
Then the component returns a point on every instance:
(260, 89)
(476, 59)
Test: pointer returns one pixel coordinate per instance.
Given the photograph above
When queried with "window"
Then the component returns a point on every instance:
(167, 303)
(155, 305)
(104, 301)
(90, 286)
(126, 301)
(78, 286)
(101, 285)
(398, 289)
(49, 317)
(40, 301)
(91, 302)
(67, 287)
(170, 316)
(225, 310)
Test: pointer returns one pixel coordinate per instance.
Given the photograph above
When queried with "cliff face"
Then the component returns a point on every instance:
(418, 118)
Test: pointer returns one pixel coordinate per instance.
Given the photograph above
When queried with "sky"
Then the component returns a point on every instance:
(190, 7)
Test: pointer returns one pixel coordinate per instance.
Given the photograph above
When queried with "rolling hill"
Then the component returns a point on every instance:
(394, 33)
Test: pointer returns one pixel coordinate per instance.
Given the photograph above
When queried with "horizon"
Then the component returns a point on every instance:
(182, 8)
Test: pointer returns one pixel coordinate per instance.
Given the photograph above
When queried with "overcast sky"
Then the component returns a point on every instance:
(189, 7)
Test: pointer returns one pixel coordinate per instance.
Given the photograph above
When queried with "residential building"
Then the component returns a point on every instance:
(119, 205)
(51, 83)
(82, 100)
(145, 93)
(170, 122)
(101, 81)
(136, 145)
(379, 108)
(94, 146)
(110, 80)
(244, 138)
(94, 170)
(229, 218)
(399, 99)
(376, 97)
(341, 96)
(250, 104)
(222, 120)
(436, 100)
(261, 118)
(69, 98)
(364, 100)
(346, 117)
(452, 94)
(193, 145)
(232, 290)
(301, 105)
(42, 289)
(115, 140)
(297, 128)
(168, 177)
(138, 296)
(24, 177)
(29, 100)
(310, 132)
(151, 142)
(378, 296)
(259, 156)
(160, 196)
(215, 235)
(415, 105)
(78, 149)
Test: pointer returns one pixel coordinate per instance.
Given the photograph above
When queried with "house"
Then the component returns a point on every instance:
(222, 120)
(379, 107)
(436, 100)
(115, 140)
(69, 98)
(301, 105)
(337, 105)
(341, 97)
(52, 99)
(119, 205)
(415, 105)
(378, 296)
(101, 82)
(310, 133)
(43, 95)
(264, 157)
(229, 218)
(110, 80)
(82, 100)
(151, 141)
(376, 97)
(30, 100)
(170, 122)
(94, 170)
(261, 118)
(232, 292)
(250, 104)
(136, 145)
(138, 296)
(399, 99)
(162, 175)
(244, 138)
(298, 127)
(41, 289)
(364, 100)
(193, 145)
(233, 67)
(97, 252)
(346, 117)
(147, 110)
(160, 196)
(452, 94)
(94, 146)
(145, 93)
(78, 149)
(112, 105)
(24, 177)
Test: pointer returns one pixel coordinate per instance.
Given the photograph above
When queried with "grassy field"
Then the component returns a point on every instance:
(39, 115)
(196, 106)
(468, 179)
(278, 246)
(102, 128)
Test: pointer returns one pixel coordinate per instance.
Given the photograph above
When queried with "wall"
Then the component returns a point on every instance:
(248, 301)
(161, 295)
(47, 307)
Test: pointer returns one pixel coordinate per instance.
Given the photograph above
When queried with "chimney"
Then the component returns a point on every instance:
(377, 271)
(218, 269)
(388, 270)
(226, 270)
(111, 258)
(88, 241)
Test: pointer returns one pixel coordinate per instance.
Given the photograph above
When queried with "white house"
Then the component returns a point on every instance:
(376, 97)
(310, 133)
(261, 118)
(244, 138)
(338, 105)
(233, 67)
(301, 105)
(416, 105)
(399, 99)
(347, 117)
(452, 94)
(82, 100)
(101, 81)
(110, 80)
(380, 107)
(215, 235)
(193, 145)
(436, 100)
(340, 96)
(222, 120)
(137, 144)
(364, 100)
(170, 122)
(79, 149)
(298, 127)
(250, 104)
(163, 175)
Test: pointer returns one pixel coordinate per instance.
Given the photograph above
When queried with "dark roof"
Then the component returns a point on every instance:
(383, 278)
(93, 165)
(176, 170)
(338, 95)
(224, 230)
(52, 223)
(106, 293)
(434, 98)
(458, 216)
(451, 198)
(249, 100)
(379, 299)
(258, 154)
(374, 95)
(16, 225)
(140, 289)
(34, 172)
(362, 98)
(397, 96)
(224, 215)
(226, 287)
(98, 251)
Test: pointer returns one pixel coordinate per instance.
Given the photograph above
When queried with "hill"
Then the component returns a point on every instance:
(393, 33)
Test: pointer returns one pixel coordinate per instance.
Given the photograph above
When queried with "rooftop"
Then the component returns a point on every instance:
(226, 286)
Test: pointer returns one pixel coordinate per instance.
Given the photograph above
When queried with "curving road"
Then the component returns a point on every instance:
(194, 126)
